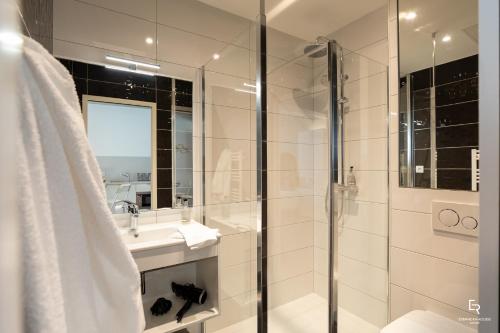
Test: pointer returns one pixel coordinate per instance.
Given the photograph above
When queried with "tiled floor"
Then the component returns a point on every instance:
(308, 314)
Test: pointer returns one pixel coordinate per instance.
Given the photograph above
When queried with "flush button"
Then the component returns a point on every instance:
(449, 217)
(469, 223)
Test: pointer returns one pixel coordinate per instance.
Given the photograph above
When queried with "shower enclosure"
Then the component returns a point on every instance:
(301, 194)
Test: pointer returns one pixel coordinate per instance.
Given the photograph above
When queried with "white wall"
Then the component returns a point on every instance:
(429, 270)
(10, 240)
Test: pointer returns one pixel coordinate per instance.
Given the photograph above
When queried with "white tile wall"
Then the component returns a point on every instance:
(429, 270)
(451, 283)
(85, 24)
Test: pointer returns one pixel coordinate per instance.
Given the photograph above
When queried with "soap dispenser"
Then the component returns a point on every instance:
(351, 182)
(351, 179)
(186, 211)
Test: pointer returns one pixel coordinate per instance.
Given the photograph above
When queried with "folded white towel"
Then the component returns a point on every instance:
(197, 235)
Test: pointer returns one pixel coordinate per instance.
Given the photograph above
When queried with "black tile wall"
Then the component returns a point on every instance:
(422, 119)
(164, 197)
(100, 81)
(100, 88)
(421, 79)
(163, 120)
(453, 179)
(185, 87)
(183, 93)
(80, 69)
(421, 139)
(163, 83)
(457, 92)
(457, 70)
(457, 136)
(454, 157)
(163, 139)
(455, 114)
(164, 178)
(164, 100)
(421, 99)
(423, 157)
(164, 158)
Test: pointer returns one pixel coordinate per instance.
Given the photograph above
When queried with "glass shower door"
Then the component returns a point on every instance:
(327, 124)
(298, 109)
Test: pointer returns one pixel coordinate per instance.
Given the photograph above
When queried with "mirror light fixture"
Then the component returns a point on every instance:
(126, 69)
(132, 62)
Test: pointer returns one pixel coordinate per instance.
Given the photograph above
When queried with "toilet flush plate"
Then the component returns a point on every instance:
(457, 218)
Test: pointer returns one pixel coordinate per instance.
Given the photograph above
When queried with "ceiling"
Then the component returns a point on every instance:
(305, 19)
(457, 19)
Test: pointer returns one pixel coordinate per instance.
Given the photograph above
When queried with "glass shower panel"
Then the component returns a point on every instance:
(297, 176)
(229, 162)
(362, 202)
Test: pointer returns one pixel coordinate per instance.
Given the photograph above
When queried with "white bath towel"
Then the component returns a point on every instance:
(197, 235)
(78, 274)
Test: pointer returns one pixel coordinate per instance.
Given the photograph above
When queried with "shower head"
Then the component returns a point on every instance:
(318, 49)
(310, 51)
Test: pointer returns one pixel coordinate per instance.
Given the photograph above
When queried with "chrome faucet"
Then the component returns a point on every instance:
(133, 209)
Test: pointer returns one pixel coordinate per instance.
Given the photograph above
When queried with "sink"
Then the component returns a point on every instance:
(152, 236)
(161, 244)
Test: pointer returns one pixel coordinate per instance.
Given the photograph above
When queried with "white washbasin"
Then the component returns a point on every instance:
(152, 236)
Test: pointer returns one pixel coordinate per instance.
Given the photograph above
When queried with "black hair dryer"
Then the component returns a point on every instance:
(191, 294)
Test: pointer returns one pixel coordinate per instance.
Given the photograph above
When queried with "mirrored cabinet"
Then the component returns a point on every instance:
(438, 94)
(141, 130)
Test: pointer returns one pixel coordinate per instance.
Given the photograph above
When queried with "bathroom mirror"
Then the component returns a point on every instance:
(122, 135)
(438, 94)
(145, 121)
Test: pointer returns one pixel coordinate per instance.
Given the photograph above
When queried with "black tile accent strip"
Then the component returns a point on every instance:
(454, 157)
(457, 136)
(101, 73)
(454, 179)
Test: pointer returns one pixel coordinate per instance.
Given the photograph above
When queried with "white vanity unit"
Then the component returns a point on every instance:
(163, 257)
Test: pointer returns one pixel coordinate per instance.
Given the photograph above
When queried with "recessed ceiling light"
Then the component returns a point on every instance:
(216, 56)
(446, 38)
(149, 40)
(409, 16)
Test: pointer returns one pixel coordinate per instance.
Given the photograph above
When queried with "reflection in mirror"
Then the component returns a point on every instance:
(438, 97)
(120, 134)
(183, 156)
